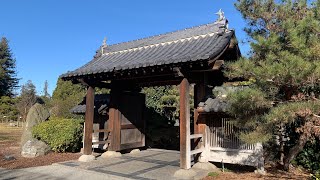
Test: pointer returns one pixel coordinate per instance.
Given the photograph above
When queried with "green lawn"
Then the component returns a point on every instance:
(9, 133)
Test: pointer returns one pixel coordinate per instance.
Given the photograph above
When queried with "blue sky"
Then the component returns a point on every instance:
(50, 37)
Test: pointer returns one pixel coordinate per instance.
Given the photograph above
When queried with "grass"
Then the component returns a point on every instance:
(226, 170)
(8, 133)
(213, 174)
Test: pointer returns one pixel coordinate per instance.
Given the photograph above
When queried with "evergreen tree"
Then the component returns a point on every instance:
(45, 90)
(8, 80)
(26, 99)
(45, 98)
(8, 109)
(284, 65)
(65, 96)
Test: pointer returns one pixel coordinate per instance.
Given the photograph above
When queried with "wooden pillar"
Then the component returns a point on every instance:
(185, 144)
(114, 121)
(87, 149)
(200, 92)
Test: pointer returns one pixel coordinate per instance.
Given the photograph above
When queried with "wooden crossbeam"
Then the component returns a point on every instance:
(196, 136)
(102, 142)
(196, 151)
(101, 130)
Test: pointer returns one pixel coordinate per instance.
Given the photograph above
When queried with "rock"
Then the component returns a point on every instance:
(37, 114)
(111, 154)
(33, 148)
(260, 172)
(135, 151)
(86, 158)
(9, 158)
(206, 166)
(185, 174)
(12, 124)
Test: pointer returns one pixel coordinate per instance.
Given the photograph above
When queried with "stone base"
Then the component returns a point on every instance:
(135, 151)
(206, 166)
(86, 158)
(260, 172)
(111, 154)
(185, 174)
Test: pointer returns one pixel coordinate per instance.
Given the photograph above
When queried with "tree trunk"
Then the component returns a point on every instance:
(281, 140)
(294, 151)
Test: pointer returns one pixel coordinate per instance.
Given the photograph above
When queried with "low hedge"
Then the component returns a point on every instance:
(62, 135)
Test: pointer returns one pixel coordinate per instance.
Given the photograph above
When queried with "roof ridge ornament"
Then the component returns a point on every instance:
(222, 20)
(220, 13)
(104, 44)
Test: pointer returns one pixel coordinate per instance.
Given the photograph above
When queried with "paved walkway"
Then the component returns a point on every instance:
(148, 164)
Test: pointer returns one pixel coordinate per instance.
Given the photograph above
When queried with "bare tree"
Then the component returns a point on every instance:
(26, 99)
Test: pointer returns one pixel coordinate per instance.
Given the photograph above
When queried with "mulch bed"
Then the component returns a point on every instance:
(9, 145)
(21, 162)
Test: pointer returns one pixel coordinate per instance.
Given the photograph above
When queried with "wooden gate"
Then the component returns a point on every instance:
(128, 129)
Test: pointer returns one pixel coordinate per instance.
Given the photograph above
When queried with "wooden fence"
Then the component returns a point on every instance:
(223, 134)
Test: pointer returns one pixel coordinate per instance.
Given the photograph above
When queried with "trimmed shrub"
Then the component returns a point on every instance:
(62, 135)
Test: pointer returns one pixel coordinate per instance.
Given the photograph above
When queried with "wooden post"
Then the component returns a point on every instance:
(199, 93)
(200, 126)
(114, 121)
(185, 144)
(87, 149)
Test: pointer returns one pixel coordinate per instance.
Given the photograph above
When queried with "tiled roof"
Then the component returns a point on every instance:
(101, 102)
(214, 105)
(197, 43)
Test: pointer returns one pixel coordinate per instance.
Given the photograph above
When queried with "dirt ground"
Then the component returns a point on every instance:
(10, 145)
(240, 172)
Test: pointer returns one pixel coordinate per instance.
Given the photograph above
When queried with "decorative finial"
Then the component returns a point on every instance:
(220, 13)
(104, 43)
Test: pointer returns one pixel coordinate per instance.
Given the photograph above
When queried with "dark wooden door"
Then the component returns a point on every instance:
(132, 122)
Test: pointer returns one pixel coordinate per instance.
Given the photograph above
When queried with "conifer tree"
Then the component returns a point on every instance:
(65, 96)
(8, 80)
(45, 90)
(284, 65)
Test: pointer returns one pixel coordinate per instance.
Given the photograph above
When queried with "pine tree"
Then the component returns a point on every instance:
(284, 65)
(65, 96)
(45, 90)
(8, 80)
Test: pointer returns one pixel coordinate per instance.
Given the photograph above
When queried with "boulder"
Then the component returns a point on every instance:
(33, 148)
(9, 158)
(37, 114)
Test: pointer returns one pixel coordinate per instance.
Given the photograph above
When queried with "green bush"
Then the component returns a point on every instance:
(62, 135)
(309, 158)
